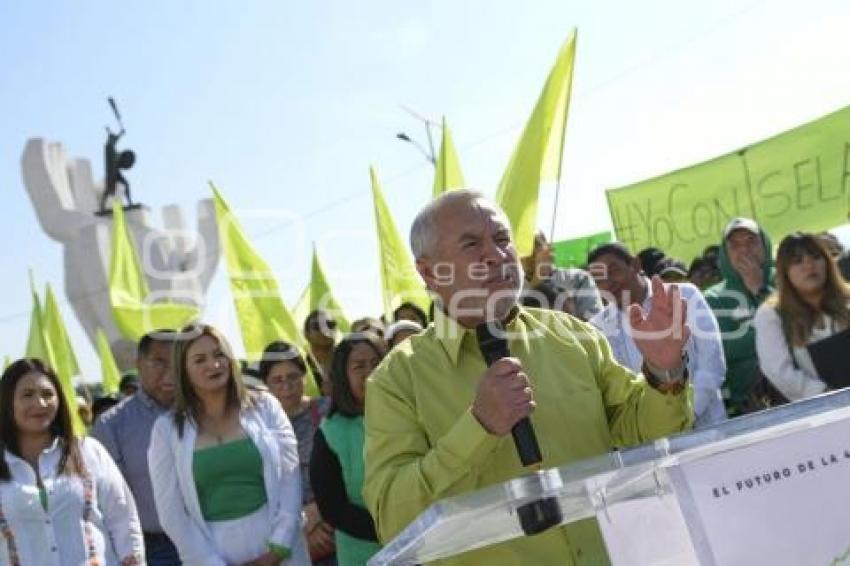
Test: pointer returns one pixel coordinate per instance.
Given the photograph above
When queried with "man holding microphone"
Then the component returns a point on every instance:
(438, 419)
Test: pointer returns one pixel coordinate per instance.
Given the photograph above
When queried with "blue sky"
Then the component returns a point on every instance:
(286, 104)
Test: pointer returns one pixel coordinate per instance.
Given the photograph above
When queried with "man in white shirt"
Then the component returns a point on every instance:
(618, 275)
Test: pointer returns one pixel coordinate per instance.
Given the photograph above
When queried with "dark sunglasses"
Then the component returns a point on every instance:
(316, 324)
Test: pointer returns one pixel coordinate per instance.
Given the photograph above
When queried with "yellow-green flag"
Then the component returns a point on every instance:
(39, 345)
(66, 360)
(400, 281)
(301, 310)
(263, 316)
(108, 367)
(128, 289)
(537, 156)
(318, 295)
(447, 174)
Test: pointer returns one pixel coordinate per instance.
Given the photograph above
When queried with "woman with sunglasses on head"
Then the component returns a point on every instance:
(812, 302)
(336, 465)
(62, 498)
(283, 370)
(224, 463)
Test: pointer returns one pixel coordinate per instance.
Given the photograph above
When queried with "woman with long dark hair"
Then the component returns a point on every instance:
(336, 465)
(812, 302)
(224, 463)
(62, 498)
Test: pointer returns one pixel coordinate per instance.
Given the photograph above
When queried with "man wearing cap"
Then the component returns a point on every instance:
(747, 267)
(619, 275)
(125, 431)
(671, 270)
(438, 420)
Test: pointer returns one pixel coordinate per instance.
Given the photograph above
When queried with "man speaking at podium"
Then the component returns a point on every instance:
(438, 420)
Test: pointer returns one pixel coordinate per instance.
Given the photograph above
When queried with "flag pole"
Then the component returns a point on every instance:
(561, 152)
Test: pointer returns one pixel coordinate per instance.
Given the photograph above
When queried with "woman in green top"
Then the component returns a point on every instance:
(224, 463)
(336, 465)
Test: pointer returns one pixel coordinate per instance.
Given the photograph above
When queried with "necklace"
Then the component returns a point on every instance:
(215, 431)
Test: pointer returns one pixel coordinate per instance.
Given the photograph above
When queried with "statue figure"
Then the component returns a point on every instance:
(114, 162)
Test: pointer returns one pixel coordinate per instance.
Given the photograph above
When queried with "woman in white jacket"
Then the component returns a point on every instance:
(812, 302)
(62, 498)
(224, 463)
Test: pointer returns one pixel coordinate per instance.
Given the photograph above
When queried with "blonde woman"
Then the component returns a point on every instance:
(224, 463)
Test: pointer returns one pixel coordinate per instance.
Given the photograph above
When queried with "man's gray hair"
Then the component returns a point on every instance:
(422, 236)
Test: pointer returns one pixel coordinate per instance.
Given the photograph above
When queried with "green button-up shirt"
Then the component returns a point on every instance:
(423, 444)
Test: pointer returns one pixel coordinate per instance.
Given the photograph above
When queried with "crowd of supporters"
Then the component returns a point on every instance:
(208, 460)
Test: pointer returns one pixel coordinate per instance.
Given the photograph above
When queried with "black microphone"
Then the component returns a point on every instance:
(541, 514)
(494, 347)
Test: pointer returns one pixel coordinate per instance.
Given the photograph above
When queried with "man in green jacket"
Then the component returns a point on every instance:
(747, 267)
(438, 420)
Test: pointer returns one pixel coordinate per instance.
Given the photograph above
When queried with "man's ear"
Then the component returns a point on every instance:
(426, 271)
(636, 266)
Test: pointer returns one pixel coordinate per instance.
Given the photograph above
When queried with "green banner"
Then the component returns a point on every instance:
(797, 180)
(573, 253)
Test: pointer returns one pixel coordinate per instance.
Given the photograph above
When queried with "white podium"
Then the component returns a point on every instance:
(768, 488)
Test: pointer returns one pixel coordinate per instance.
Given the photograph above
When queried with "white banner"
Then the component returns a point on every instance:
(784, 501)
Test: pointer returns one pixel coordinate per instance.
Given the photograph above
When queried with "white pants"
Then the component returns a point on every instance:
(244, 539)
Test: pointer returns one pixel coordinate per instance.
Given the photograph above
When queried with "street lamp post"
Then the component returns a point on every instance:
(429, 156)
(429, 153)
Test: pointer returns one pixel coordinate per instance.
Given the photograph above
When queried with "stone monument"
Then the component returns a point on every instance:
(178, 264)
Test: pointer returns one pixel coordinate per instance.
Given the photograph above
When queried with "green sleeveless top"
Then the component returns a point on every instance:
(229, 480)
(345, 437)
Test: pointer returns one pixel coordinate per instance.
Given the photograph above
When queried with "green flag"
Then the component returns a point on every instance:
(39, 346)
(797, 180)
(66, 360)
(538, 154)
(573, 253)
(128, 289)
(318, 295)
(108, 367)
(400, 281)
(263, 316)
(447, 173)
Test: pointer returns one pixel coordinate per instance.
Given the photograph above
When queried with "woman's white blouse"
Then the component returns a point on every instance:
(170, 462)
(775, 359)
(59, 536)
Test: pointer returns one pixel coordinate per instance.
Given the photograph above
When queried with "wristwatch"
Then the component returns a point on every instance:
(669, 381)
